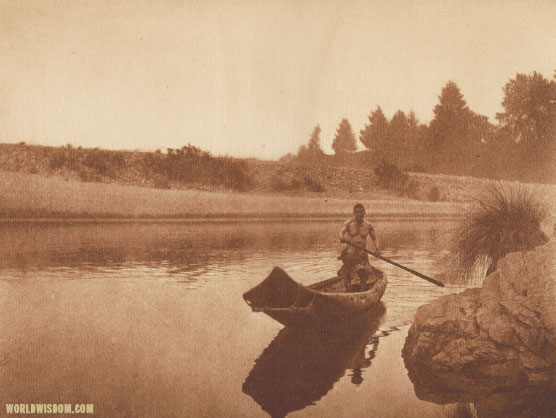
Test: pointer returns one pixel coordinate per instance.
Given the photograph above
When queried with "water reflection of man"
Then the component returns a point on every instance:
(357, 377)
(361, 361)
(356, 262)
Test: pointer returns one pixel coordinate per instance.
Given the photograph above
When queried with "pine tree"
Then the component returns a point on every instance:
(394, 148)
(313, 148)
(451, 115)
(375, 135)
(457, 135)
(448, 131)
(311, 152)
(415, 142)
(344, 142)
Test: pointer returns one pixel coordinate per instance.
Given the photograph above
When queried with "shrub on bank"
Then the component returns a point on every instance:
(104, 163)
(283, 182)
(64, 158)
(89, 164)
(280, 184)
(313, 184)
(190, 164)
(161, 183)
(434, 194)
(186, 165)
(389, 176)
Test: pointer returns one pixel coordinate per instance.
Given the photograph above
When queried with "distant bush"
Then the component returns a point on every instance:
(57, 161)
(434, 194)
(284, 182)
(279, 184)
(64, 157)
(89, 164)
(190, 164)
(230, 172)
(391, 177)
(104, 163)
(409, 189)
(161, 183)
(99, 162)
(312, 184)
(86, 175)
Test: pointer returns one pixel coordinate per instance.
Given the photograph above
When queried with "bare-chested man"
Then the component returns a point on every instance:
(356, 230)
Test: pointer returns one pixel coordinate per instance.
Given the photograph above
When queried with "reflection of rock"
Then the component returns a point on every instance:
(522, 402)
(497, 337)
(519, 402)
(302, 364)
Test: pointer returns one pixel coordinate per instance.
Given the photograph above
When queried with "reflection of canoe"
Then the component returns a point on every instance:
(301, 365)
(291, 303)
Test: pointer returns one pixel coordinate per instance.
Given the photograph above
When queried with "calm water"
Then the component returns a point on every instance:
(147, 320)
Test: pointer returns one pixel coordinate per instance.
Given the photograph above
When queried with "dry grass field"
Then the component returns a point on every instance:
(26, 195)
(29, 195)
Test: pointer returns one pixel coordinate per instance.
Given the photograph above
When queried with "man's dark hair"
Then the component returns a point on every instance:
(358, 206)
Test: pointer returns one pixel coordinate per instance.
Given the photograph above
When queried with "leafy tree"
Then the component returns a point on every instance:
(344, 142)
(528, 127)
(530, 110)
(375, 135)
(480, 128)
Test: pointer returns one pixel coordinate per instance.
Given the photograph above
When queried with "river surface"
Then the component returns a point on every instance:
(148, 320)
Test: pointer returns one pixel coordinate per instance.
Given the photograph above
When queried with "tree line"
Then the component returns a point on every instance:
(522, 145)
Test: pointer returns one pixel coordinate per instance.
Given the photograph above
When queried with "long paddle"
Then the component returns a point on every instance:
(422, 276)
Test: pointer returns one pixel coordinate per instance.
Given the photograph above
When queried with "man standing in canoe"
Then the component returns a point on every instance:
(356, 262)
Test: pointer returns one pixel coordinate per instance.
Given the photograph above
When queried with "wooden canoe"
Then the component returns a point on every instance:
(322, 303)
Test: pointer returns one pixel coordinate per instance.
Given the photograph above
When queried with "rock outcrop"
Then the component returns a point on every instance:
(494, 338)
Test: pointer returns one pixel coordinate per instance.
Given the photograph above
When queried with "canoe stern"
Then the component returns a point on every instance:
(278, 290)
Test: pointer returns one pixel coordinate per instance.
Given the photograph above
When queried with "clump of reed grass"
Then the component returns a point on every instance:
(501, 221)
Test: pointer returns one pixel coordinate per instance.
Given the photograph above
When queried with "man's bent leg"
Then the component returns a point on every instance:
(363, 279)
(364, 270)
(345, 274)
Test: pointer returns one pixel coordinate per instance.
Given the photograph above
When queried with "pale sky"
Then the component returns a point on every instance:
(251, 78)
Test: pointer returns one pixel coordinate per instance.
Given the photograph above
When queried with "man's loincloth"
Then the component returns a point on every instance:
(356, 263)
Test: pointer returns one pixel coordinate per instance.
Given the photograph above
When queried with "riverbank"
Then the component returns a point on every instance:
(32, 196)
(191, 169)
